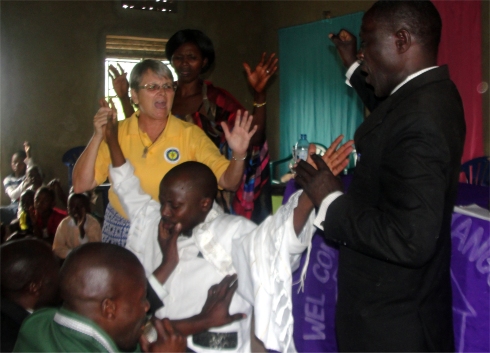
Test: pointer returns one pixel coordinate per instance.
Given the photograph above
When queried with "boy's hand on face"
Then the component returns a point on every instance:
(217, 305)
(167, 239)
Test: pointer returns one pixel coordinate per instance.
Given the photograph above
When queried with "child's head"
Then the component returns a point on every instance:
(27, 200)
(77, 205)
(34, 176)
(44, 200)
(18, 165)
(186, 199)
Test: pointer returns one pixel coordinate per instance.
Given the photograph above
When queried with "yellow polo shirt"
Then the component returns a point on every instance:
(180, 142)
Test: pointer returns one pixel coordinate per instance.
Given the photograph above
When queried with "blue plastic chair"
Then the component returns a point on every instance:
(477, 171)
(69, 159)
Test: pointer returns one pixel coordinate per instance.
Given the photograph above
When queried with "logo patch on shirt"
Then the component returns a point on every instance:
(172, 155)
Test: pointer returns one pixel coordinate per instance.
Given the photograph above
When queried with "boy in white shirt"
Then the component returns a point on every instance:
(201, 245)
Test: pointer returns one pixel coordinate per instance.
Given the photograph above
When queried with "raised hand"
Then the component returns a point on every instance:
(27, 148)
(263, 72)
(346, 44)
(102, 116)
(110, 132)
(337, 159)
(54, 184)
(217, 305)
(168, 339)
(316, 183)
(239, 139)
(119, 80)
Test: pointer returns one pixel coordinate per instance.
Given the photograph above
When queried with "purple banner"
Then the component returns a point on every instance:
(470, 273)
(314, 308)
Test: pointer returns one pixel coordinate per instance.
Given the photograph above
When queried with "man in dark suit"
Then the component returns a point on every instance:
(393, 224)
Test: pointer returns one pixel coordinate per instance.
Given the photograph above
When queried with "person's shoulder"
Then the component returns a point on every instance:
(11, 179)
(40, 315)
(222, 97)
(65, 222)
(60, 212)
(231, 224)
(178, 125)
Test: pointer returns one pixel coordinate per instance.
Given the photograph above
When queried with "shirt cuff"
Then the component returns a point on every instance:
(350, 71)
(322, 211)
(157, 287)
(118, 174)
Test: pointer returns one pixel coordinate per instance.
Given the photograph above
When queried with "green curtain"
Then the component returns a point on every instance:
(314, 98)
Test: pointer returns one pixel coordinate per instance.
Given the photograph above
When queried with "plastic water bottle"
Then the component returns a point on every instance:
(302, 148)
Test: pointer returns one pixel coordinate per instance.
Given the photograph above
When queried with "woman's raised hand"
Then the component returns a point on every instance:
(239, 138)
(263, 72)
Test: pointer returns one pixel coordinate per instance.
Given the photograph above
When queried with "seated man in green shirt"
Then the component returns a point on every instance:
(104, 291)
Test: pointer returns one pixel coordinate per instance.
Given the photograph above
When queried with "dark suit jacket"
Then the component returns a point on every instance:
(12, 316)
(393, 224)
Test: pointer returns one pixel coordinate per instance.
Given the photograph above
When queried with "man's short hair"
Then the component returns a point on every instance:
(118, 261)
(420, 18)
(200, 174)
(24, 261)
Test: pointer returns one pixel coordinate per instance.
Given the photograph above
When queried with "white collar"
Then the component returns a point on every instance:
(412, 76)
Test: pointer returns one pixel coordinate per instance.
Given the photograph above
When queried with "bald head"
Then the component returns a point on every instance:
(107, 284)
(199, 175)
(29, 273)
(96, 271)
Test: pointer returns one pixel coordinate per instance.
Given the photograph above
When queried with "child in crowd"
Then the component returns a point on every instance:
(45, 216)
(78, 228)
(25, 207)
(35, 179)
(23, 225)
(14, 183)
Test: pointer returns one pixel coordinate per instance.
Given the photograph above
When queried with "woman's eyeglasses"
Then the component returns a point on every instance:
(154, 87)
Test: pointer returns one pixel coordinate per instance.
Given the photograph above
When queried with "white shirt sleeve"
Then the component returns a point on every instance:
(157, 287)
(322, 211)
(350, 71)
(127, 187)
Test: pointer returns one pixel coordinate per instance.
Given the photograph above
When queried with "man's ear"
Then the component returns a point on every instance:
(108, 308)
(403, 40)
(34, 287)
(206, 204)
